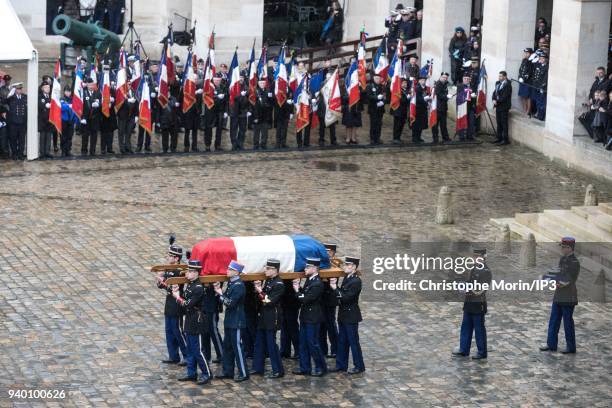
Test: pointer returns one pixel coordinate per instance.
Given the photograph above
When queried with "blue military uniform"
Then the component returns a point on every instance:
(474, 311)
(212, 307)
(234, 323)
(349, 316)
(540, 81)
(290, 329)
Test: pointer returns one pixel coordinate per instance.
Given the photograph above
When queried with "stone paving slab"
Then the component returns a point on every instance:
(79, 311)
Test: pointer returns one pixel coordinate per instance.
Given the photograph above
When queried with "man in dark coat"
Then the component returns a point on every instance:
(90, 121)
(400, 115)
(239, 114)
(376, 108)
(422, 99)
(502, 100)
(45, 128)
(442, 97)
(17, 120)
(262, 115)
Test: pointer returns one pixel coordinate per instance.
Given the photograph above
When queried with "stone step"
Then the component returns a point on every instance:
(606, 208)
(595, 215)
(590, 231)
(519, 231)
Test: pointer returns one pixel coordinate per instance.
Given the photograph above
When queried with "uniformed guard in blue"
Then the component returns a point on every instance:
(212, 307)
(474, 310)
(269, 317)
(349, 316)
(234, 323)
(175, 338)
(565, 299)
(311, 316)
(329, 328)
(195, 323)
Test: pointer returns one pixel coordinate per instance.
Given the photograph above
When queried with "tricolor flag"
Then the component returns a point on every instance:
(189, 82)
(106, 93)
(234, 75)
(302, 103)
(77, 96)
(209, 74)
(121, 93)
(252, 77)
(137, 74)
(262, 66)
(352, 84)
(380, 62)
(169, 60)
(361, 60)
(396, 77)
(294, 80)
(93, 73)
(215, 254)
(463, 98)
(413, 102)
(55, 111)
(314, 86)
(280, 79)
(481, 101)
(162, 80)
(144, 110)
(433, 108)
(332, 98)
(428, 85)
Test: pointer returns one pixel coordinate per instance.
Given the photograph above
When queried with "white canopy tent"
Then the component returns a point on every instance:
(17, 47)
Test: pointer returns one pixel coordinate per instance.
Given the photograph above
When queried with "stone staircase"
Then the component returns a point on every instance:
(590, 225)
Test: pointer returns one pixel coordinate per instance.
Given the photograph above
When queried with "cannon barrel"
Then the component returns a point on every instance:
(87, 34)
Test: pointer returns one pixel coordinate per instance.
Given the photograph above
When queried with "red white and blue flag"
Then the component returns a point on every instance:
(262, 66)
(294, 79)
(280, 79)
(481, 101)
(413, 102)
(121, 93)
(189, 82)
(302, 103)
(433, 109)
(215, 254)
(333, 98)
(144, 109)
(162, 80)
(361, 60)
(55, 111)
(234, 75)
(252, 76)
(106, 93)
(137, 74)
(77, 97)
(463, 98)
(395, 72)
(380, 62)
(352, 84)
(209, 74)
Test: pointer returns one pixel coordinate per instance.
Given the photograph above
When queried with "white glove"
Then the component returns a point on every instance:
(291, 116)
(521, 80)
(153, 94)
(199, 91)
(131, 100)
(380, 104)
(136, 119)
(70, 105)
(380, 97)
(157, 89)
(290, 101)
(243, 93)
(83, 121)
(95, 104)
(473, 94)
(313, 100)
(411, 79)
(255, 120)
(47, 105)
(449, 96)
(122, 10)
(2, 124)
(112, 99)
(427, 98)
(224, 115)
(248, 114)
(541, 91)
(220, 96)
(177, 104)
(270, 94)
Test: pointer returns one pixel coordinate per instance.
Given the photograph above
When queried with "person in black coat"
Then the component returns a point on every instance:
(17, 120)
(456, 48)
(262, 115)
(442, 97)
(540, 83)
(290, 333)
(191, 120)
(282, 115)
(90, 120)
(349, 317)
(524, 78)
(421, 122)
(45, 128)
(599, 108)
(108, 125)
(4, 149)
(239, 114)
(376, 108)
(127, 118)
(542, 30)
(168, 122)
(269, 318)
(332, 30)
(601, 83)
(220, 110)
(351, 115)
(311, 316)
(400, 115)
(502, 101)
(69, 120)
(195, 322)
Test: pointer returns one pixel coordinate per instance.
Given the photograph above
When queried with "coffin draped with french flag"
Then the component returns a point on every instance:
(253, 252)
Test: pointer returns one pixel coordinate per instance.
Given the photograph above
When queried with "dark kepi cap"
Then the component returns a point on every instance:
(313, 262)
(218, 75)
(244, 73)
(194, 265)
(568, 242)
(233, 265)
(175, 250)
(273, 263)
(528, 49)
(331, 247)
(89, 80)
(351, 260)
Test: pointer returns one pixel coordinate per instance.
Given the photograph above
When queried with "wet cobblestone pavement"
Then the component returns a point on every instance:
(79, 311)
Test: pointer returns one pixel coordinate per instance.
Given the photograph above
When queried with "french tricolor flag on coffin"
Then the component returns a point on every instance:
(215, 254)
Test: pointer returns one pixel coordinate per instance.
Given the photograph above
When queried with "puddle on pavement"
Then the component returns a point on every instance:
(333, 166)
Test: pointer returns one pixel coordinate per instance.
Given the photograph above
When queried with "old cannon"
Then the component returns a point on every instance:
(88, 38)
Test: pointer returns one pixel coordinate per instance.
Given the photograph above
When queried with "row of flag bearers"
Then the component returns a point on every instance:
(192, 311)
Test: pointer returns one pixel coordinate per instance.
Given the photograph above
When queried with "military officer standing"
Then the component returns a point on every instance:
(239, 114)
(540, 82)
(400, 115)
(420, 122)
(311, 316)
(195, 323)
(269, 316)
(474, 310)
(212, 307)
(502, 100)
(17, 120)
(45, 128)
(262, 115)
(442, 97)
(90, 120)
(290, 331)
(376, 108)
(175, 338)
(349, 316)
(234, 323)
(565, 299)
(329, 328)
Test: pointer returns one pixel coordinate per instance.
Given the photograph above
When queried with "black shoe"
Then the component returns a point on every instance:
(458, 353)
(170, 362)
(240, 379)
(253, 372)
(148, 150)
(224, 376)
(496, 141)
(334, 370)
(546, 348)
(263, 147)
(294, 357)
(317, 373)
(331, 355)
(182, 364)
(194, 379)
(203, 381)
(110, 151)
(354, 370)
(138, 149)
(566, 351)
(216, 361)
(297, 371)
(48, 156)
(479, 357)
(55, 149)
(334, 143)
(275, 375)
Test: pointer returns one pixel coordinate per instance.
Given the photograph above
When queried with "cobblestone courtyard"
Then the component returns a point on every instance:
(79, 310)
